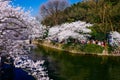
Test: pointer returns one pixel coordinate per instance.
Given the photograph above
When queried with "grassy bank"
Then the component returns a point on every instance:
(71, 48)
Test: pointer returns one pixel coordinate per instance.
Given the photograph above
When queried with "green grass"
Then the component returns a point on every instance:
(87, 48)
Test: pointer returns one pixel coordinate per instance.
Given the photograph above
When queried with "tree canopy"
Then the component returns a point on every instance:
(15, 25)
(104, 14)
(51, 10)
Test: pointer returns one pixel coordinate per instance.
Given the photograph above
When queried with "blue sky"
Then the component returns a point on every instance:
(34, 4)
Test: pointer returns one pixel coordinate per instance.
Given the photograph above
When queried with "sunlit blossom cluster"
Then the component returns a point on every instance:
(114, 38)
(15, 24)
(76, 30)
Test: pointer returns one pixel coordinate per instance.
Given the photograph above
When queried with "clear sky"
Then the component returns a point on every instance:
(34, 4)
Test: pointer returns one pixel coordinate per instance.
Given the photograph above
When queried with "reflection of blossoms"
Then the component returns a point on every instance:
(115, 38)
(77, 30)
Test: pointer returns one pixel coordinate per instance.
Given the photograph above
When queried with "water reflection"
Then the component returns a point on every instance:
(12, 73)
(63, 66)
(19, 74)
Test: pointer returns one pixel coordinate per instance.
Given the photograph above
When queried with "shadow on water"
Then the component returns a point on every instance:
(22, 75)
(14, 74)
(63, 66)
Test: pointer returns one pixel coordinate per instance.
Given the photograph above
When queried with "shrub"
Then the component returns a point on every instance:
(93, 48)
(110, 49)
(68, 46)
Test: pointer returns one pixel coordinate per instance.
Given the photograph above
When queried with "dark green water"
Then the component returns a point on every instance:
(63, 66)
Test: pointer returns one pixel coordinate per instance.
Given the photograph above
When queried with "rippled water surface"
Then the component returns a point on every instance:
(63, 66)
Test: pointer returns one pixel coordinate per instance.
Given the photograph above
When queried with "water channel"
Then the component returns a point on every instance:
(66, 66)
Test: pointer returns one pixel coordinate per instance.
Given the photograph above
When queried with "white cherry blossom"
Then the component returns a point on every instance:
(77, 30)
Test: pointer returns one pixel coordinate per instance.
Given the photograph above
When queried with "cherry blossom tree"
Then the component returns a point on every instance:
(114, 38)
(76, 30)
(16, 26)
